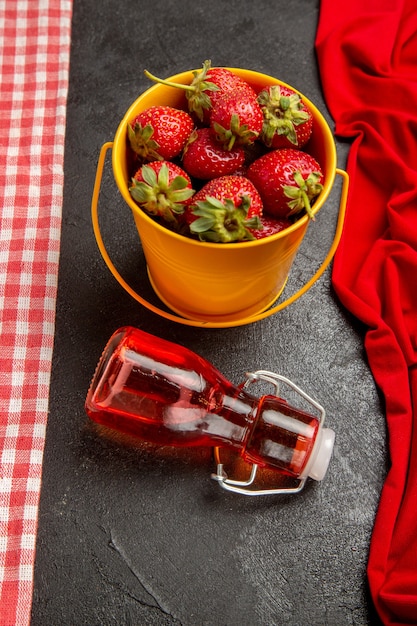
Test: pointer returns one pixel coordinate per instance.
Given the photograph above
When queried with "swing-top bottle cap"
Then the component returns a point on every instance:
(318, 463)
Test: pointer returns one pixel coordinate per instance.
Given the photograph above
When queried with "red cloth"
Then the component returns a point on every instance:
(367, 56)
(35, 46)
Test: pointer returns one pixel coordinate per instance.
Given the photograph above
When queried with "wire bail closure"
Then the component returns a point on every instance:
(246, 487)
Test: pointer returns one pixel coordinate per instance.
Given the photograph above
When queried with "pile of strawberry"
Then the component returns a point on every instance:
(233, 167)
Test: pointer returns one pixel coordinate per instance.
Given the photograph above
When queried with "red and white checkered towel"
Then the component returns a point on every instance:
(34, 63)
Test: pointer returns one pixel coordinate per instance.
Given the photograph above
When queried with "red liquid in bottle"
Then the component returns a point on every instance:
(166, 394)
(283, 437)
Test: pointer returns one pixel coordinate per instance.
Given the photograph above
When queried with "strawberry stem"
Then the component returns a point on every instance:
(307, 205)
(168, 83)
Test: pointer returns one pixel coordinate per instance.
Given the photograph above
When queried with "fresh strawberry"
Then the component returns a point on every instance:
(288, 122)
(288, 180)
(226, 81)
(234, 188)
(204, 157)
(224, 210)
(236, 119)
(270, 226)
(162, 189)
(207, 86)
(160, 133)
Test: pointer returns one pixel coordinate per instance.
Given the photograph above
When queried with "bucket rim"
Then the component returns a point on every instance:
(120, 137)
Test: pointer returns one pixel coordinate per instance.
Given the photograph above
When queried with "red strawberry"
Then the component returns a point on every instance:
(224, 210)
(162, 189)
(287, 180)
(270, 226)
(288, 123)
(233, 188)
(206, 87)
(226, 81)
(236, 118)
(205, 158)
(160, 132)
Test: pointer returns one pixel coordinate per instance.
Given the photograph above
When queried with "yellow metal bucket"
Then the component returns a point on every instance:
(209, 284)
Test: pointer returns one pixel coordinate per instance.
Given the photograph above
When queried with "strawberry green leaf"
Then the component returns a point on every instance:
(202, 224)
(140, 192)
(236, 134)
(303, 192)
(163, 178)
(223, 222)
(159, 197)
(149, 176)
(281, 113)
(179, 182)
(141, 142)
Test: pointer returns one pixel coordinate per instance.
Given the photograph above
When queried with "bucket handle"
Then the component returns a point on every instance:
(189, 322)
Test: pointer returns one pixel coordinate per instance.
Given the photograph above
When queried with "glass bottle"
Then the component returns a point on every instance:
(166, 394)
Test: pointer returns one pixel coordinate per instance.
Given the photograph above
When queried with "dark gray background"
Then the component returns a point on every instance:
(135, 535)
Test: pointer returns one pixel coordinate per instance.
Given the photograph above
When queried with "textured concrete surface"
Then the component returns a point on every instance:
(136, 535)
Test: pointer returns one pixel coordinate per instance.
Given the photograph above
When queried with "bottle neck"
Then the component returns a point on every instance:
(229, 420)
(282, 436)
